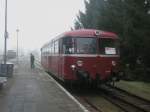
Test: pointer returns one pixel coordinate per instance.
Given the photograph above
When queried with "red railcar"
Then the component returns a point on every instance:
(82, 55)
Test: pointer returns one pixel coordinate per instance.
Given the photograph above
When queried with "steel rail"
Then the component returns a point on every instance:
(125, 101)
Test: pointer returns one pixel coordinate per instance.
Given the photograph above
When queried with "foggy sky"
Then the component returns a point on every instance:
(37, 20)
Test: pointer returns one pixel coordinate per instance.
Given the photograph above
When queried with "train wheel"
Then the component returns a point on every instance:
(69, 84)
(113, 83)
(94, 84)
(114, 79)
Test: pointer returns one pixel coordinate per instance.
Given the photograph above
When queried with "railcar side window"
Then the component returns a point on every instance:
(108, 46)
(53, 48)
(56, 47)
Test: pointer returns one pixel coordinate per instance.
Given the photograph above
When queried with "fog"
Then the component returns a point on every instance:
(37, 20)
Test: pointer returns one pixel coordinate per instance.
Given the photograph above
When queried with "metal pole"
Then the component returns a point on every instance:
(17, 46)
(5, 34)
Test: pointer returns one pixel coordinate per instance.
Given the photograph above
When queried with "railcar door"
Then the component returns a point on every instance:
(66, 50)
(56, 57)
(61, 59)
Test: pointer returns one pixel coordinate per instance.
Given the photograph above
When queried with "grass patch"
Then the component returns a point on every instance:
(141, 89)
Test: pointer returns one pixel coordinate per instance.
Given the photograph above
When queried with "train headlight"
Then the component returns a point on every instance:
(79, 63)
(73, 67)
(113, 63)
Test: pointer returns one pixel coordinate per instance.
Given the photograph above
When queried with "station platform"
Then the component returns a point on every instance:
(33, 90)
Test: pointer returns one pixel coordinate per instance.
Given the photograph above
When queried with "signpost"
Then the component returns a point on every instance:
(5, 34)
(6, 69)
(17, 46)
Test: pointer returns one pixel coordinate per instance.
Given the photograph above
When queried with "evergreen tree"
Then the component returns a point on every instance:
(130, 19)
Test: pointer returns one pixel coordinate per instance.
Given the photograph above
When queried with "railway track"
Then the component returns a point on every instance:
(126, 101)
(121, 99)
(88, 104)
(93, 100)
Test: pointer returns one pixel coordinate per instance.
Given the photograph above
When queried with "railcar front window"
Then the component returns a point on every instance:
(109, 46)
(79, 45)
(85, 45)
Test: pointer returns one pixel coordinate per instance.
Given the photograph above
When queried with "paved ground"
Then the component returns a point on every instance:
(32, 90)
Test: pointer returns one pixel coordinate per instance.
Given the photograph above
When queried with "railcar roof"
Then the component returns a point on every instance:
(86, 33)
(90, 33)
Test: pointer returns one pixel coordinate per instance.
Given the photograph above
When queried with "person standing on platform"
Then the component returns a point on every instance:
(32, 60)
